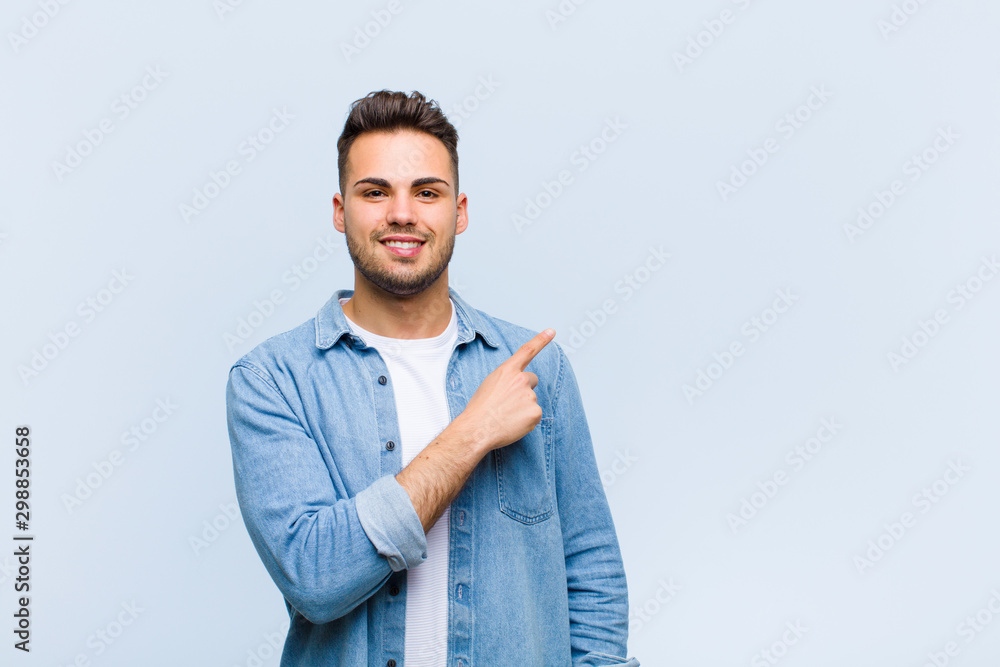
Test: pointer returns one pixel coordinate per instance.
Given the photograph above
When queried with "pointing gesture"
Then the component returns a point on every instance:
(504, 408)
(527, 352)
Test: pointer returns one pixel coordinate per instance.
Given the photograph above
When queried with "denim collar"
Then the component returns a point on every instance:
(331, 323)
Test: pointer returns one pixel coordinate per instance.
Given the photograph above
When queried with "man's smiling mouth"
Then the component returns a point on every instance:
(402, 246)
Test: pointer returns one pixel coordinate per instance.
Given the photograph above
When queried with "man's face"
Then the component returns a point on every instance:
(399, 186)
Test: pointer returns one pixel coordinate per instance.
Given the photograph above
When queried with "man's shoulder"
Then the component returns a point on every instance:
(288, 348)
(550, 360)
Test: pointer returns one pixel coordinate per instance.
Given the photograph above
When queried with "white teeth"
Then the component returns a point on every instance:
(402, 244)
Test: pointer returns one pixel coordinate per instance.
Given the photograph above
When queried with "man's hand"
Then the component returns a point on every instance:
(504, 408)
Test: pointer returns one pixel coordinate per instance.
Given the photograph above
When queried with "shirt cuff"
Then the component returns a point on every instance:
(594, 658)
(387, 515)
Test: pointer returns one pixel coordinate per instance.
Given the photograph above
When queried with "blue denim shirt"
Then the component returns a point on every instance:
(536, 575)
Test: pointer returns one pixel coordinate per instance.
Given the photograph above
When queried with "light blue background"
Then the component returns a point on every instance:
(674, 468)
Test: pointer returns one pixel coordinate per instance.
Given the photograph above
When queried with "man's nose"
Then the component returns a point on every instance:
(402, 211)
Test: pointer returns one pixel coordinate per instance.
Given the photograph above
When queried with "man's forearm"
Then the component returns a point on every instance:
(439, 472)
(502, 410)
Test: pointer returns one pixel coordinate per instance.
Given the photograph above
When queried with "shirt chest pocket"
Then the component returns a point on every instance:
(524, 475)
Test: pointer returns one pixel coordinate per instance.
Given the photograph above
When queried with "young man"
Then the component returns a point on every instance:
(419, 496)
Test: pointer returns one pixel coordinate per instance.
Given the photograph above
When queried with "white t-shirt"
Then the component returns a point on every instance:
(418, 368)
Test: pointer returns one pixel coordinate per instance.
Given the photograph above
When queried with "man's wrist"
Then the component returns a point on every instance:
(464, 440)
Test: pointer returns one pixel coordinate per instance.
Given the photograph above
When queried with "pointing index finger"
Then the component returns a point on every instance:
(527, 352)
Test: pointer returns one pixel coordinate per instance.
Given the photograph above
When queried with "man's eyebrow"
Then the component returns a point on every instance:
(382, 183)
(427, 180)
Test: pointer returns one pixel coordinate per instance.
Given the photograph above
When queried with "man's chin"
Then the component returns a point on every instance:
(398, 288)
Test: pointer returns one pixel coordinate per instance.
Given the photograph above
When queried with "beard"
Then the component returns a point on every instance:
(399, 275)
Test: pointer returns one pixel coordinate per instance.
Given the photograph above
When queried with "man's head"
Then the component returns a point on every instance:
(387, 111)
(398, 181)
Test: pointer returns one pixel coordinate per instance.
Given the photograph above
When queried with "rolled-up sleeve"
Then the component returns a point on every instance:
(391, 523)
(327, 554)
(595, 574)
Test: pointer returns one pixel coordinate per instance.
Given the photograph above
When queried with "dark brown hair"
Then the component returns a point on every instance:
(388, 111)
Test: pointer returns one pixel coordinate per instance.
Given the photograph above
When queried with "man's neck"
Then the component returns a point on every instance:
(422, 315)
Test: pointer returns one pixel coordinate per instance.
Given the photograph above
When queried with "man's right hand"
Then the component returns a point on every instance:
(504, 408)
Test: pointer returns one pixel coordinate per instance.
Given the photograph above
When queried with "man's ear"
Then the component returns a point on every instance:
(463, 214)
(338, 212)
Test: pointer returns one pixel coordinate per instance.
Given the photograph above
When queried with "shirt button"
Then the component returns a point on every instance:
(394, 590)
(382, 379)
(391, 663)
(390, 445)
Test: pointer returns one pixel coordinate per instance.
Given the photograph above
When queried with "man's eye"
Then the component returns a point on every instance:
(428, 193)
(373, 193)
